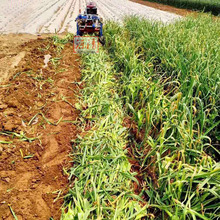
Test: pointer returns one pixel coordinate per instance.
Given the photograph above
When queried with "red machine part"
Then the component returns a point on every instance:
(91, 5)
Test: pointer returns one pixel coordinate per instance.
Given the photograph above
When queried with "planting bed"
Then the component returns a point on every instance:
(36, 128)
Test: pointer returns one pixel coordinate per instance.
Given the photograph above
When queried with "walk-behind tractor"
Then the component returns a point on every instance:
(90, 22)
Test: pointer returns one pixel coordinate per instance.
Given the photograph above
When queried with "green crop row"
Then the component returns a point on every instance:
(151, 97)
(102, 181)
(169, 83)
(201, 5)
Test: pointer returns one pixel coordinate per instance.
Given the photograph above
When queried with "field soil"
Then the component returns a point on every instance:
(37, 111)
(178, 11)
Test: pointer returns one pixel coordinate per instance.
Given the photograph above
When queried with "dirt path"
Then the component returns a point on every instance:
(178, 11)
(50, 16)
(36, 129)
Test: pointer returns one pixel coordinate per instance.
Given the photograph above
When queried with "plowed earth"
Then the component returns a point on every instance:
(36, 128)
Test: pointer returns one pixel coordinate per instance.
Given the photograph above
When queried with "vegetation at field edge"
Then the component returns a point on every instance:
(150, 115)
(212, 6)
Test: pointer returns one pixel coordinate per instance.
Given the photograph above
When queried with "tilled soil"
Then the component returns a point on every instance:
(11, 52)
(37, 117)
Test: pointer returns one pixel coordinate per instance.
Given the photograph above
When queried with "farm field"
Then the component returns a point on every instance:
(49, 16)
(132, 132)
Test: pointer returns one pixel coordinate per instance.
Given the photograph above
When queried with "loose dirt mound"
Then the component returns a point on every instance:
(11, 53)
(36, 114)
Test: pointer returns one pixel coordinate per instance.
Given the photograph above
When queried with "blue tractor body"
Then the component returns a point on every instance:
(89, 22)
